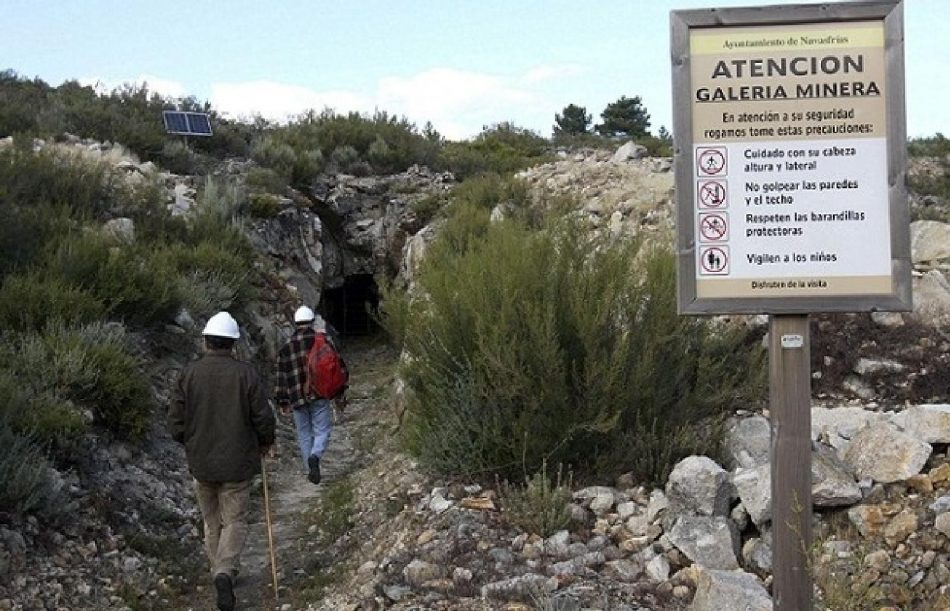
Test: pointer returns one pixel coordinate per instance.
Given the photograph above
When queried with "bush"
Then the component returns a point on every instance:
(502, 148)
(539, 506)
(266, 180)
(128, 280)
(556, 345)
(49, 421)
(24, 472)
(211, 274)
(263, 205)
(88, 366)
(28, 302)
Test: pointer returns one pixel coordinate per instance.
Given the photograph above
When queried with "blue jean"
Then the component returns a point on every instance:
(314, 422)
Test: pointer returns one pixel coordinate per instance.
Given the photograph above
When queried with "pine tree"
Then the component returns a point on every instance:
(627, 117)
(573, 121)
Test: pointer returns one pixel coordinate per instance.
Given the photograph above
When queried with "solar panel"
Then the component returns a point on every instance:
(199, 124)
(187, 123)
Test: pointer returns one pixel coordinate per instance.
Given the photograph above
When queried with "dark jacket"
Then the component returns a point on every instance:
(221, 415)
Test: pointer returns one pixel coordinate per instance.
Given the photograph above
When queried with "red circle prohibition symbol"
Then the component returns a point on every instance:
(712, 194)
(712, 162)
(713, 260)
(713, 226)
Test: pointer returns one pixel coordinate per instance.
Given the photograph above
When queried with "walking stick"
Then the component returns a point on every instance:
(270, 533)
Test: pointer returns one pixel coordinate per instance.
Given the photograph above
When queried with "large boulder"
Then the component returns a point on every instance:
(699, 486)
(748, 441)
(833, 484)
(882, 452)
(711, 542)
(728, 590)
(929, 241)
(755, 492)
(932, 298)
(930, 423)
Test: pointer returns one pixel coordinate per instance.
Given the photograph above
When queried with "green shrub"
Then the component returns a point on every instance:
(24, 472)
(211, 273)
(502, 148)
(555, 345)
(128, 280)
(935, 146)
(46, 419)
(28, 302)
(425, 208)
(88, 366)
(539, 506)
(177, 157)
(266, 180)
(263, 205)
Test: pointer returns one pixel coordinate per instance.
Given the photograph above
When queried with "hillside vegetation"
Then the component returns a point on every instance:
(568, 350)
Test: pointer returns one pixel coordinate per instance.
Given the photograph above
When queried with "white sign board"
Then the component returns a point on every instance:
(788, 199)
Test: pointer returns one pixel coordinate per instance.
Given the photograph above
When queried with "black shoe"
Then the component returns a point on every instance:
(314, 463)
(222, 585)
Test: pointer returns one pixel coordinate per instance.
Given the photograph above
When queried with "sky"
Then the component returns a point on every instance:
(461, 64)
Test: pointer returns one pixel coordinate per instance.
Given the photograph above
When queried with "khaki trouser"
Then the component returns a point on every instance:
(224, 508)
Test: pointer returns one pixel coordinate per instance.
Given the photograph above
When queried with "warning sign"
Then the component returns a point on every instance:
(712, 194)
(714, 227)
(714, 260)
(794, 118)
(711, 161)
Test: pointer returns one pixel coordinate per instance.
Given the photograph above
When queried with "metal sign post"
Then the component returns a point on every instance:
(790, 144)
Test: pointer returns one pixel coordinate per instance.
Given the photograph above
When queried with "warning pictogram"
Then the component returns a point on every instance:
(714, 227)
(714, 260)
(711, 161)
(712, 194)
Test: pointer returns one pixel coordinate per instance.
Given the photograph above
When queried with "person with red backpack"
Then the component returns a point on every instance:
(310, 375)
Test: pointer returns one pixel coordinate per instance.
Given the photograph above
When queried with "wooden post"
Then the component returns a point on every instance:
(790, 455)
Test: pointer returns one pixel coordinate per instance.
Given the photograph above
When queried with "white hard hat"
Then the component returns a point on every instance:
(303, 314)
(222, 325)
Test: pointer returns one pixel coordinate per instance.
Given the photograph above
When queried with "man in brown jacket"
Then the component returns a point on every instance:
(220, 413)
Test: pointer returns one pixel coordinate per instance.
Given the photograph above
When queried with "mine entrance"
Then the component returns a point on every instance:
(353, 307)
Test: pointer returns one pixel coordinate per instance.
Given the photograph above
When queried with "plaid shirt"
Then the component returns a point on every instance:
(291, 376)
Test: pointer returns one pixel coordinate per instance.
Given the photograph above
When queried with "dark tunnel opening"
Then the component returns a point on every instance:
(353, 307)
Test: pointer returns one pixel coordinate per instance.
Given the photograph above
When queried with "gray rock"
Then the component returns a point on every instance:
(754, 487)
(557, 544)
(942, 523)
(721, 590)
(748, 442)
(930, 423)
(833, 484)
(932, 298)
(576, 565)
(874, 366)
(658, 569)
(858, 388)
(628, 152)
(941, 505)
(929, 241)
(757, 555)
(602, 503)
(883, 453)
(524, 588)
(418, 572)
(840, 422)
(710, 542)
(657, 505)
(396, 593)
(889, 320)
(698, 486)
(626, 571)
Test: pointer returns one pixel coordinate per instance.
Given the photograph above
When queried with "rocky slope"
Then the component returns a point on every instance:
(401, 539)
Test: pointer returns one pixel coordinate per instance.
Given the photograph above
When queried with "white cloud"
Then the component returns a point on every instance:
(279, 101)
(543, 73)
(459, 103)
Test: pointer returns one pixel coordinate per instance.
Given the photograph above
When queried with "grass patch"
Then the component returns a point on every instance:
(540, 505)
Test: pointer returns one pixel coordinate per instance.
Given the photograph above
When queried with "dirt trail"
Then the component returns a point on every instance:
(292, 496)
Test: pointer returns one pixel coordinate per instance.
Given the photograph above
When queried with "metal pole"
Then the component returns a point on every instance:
(790, 455)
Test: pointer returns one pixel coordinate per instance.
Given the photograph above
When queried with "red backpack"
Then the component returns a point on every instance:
(327, 374)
